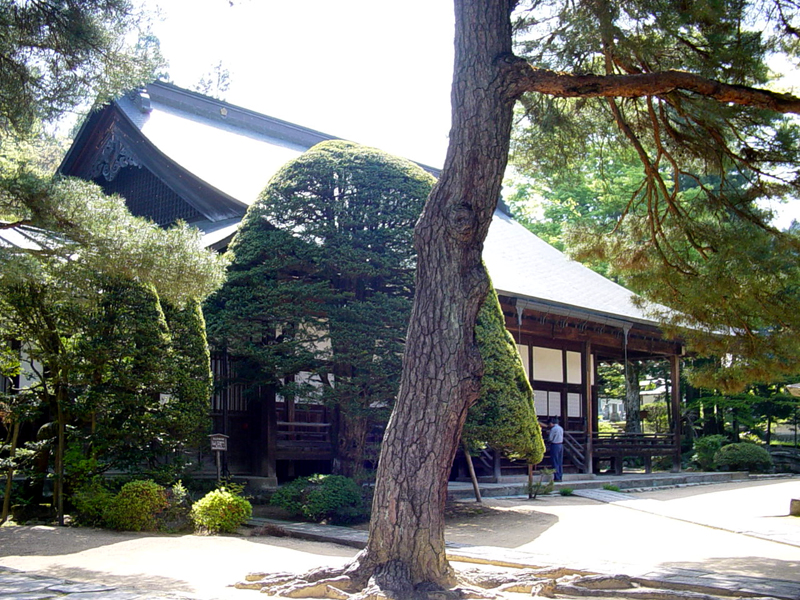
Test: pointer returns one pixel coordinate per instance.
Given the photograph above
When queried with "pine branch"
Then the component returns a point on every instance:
(565, 85)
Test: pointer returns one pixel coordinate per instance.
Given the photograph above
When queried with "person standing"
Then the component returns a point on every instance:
(556, 439)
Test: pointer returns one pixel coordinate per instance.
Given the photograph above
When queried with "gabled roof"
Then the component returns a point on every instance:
(218, 157)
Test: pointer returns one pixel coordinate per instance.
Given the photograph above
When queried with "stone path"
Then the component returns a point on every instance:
(17, 585)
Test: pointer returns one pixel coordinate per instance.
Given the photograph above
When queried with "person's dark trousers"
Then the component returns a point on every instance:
(557, 455)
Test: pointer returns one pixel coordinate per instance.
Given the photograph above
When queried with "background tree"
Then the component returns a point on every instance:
(84, 302)
(60, 54)
(676, 182)
(441, 365)
(321, 284)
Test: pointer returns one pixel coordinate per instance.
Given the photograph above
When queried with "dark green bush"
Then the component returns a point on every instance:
(743, 457)
(330, 498)
(137, 506)
(220, 511)
(92, 501)
(705, 448)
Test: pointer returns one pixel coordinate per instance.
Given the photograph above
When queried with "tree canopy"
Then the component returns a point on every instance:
(668, 184)
(321, 284)
(61, 54)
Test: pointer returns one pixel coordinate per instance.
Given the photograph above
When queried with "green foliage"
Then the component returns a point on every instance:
(321, 284)
(667, 192)
(58, 55)
(322, 498)
(611, 487)
(177, 515)
(86, 302)
(541, 484)
(504, 417)
(743, 457)
(221, 511)
(137, 507)
(705, 449)
(566, 491)
(92, 502)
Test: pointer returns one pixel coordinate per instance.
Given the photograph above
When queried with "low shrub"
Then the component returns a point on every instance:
(137, 506)
(743, 456)
(611, 487)
(328, 498)
(541, 484)
(566, 491)
(220, 511)
(92, 501)
(177, 515)
(705, 448)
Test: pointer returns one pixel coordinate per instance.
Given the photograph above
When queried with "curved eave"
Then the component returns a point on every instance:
(209, 201)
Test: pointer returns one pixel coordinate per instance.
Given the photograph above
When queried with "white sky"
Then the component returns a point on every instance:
(376, 72)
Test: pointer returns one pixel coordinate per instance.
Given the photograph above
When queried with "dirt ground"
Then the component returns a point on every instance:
(569, 531)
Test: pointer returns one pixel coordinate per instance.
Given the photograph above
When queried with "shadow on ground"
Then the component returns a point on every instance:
(471, 523)
(50, 541)
(750, 566)
(138, 581)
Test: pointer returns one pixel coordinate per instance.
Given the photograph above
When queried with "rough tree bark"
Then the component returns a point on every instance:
(442, 366)
(405, 555)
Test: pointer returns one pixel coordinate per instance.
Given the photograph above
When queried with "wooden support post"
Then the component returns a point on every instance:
(674, 361)
(476, 488)
(588, 404)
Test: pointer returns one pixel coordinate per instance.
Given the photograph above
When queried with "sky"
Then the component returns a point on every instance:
(377, 72)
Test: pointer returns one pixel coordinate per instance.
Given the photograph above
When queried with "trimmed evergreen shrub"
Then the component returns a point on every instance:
(330, 498)
(611, 487)
(220, 511)
(566, 491)
(743, 457)
(91, 502)
(705, 448)
(137, 506)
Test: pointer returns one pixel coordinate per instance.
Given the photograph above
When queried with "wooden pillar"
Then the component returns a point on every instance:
(586, 379)
(267, 443)
(674, 362)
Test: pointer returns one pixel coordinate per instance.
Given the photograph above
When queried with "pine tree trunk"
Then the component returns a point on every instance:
(633, 399)
(10, 474)
(441, 363)
(351, 443)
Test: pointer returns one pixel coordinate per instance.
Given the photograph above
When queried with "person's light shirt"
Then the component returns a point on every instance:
(556, 435)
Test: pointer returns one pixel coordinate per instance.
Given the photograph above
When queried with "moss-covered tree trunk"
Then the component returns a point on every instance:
(442, 366)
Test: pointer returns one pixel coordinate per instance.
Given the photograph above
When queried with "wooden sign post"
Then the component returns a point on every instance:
(219, 444)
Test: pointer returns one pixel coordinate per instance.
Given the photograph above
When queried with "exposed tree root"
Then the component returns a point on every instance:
(391, 582)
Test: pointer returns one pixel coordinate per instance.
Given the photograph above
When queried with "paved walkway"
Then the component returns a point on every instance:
(744, 511)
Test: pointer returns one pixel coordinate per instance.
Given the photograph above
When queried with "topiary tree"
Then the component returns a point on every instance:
(504, 417)
(321, 282)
